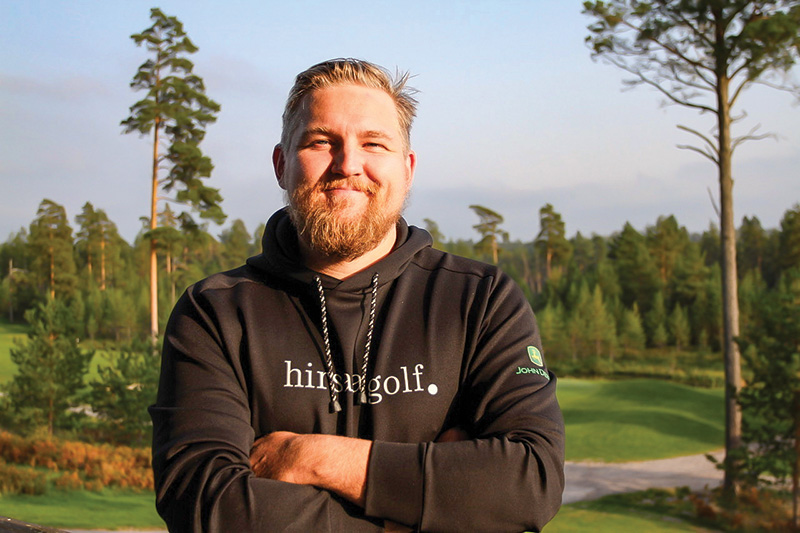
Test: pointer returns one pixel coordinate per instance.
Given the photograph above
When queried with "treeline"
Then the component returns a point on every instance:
(102, 277)
(597, 295)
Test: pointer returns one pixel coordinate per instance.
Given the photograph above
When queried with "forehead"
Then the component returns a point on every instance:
(350, 107)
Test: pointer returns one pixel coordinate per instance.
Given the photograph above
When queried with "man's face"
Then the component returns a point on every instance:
(346, 171)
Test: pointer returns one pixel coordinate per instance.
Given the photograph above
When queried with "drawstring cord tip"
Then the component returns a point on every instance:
(362, 398)
(335, 406)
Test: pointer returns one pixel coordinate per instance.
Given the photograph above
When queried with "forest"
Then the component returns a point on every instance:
(599, 296)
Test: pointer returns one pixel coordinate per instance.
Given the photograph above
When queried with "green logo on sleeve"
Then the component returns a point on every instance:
(535, 356)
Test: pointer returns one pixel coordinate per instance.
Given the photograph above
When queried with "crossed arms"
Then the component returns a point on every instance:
(330, 462)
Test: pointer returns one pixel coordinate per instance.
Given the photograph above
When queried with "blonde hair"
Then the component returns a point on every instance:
(350, 71)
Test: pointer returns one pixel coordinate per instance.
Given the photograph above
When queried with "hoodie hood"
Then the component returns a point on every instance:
(281, 256)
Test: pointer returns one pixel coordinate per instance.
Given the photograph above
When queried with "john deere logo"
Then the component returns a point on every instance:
(535, 356)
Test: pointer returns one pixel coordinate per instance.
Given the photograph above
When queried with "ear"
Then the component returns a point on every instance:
(411, 165)
(279, 164)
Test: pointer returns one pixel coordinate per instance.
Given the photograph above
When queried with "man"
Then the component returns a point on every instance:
(350, 377)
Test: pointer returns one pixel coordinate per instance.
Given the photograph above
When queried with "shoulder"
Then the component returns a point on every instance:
(224, 288)
(224, 280)
(455, 267)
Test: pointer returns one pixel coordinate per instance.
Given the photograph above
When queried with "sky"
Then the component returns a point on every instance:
(513, 114)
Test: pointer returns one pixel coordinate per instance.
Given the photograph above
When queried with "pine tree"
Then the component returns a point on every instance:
(236, 245)
(789, 239)
(51, 244)
(631, 334)
(96, 237)
(666, 242)
(679, 329)
(177, 107)
(51, 367)
(655, 321)
(125, 387)
(636, 270)
(601, 328)
(751, 244)
(553, 325)
(489, 228)
(551, 241)
(771, 398)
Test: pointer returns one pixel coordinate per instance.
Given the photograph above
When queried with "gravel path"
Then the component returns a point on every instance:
(589, 481)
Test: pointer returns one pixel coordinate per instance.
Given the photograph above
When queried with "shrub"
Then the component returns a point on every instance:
(107, 465)
(20, 480)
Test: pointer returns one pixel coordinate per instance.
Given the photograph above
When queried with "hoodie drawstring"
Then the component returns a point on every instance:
(335, 406)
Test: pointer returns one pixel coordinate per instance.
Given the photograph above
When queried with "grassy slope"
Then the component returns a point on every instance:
(108, 509)
(619, 513)
(8, 332)
(635, 420)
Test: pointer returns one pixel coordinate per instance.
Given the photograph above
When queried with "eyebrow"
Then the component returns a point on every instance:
(368, 134)
(376, 134)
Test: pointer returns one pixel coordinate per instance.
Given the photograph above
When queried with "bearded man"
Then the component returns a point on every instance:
(350, 377)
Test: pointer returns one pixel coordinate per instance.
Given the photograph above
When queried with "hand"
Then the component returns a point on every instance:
(338, 464)
(276, 456)
(454, 434)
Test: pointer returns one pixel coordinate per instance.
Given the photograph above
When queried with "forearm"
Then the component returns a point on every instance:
(330, 462)
(483, 484)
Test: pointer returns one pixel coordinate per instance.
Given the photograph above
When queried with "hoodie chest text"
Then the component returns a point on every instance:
(408, 379)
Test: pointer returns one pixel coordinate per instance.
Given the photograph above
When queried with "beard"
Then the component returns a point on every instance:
(321, 220)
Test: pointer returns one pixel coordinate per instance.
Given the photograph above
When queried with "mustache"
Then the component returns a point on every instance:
(367, 187)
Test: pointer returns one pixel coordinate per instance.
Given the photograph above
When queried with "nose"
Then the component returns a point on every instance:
(347, 161)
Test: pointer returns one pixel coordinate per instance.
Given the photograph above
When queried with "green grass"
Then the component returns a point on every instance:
(635, 512)
(8, 332)
(637, 420)
(109, 509)
(133, 510)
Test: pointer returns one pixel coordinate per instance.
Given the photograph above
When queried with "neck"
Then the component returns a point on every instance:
(341, 269)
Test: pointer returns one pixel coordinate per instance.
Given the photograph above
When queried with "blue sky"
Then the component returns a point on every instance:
(513, 113)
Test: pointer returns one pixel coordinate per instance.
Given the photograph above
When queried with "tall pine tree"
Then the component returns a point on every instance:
(176, 107)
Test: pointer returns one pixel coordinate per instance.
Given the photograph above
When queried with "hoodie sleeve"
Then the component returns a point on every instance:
(202, 436)
(510, 476)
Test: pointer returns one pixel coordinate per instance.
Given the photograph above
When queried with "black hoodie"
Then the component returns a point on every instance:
(454, 343)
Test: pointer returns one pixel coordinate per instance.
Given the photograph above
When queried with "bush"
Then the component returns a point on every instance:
(93, 465)
(20, 480)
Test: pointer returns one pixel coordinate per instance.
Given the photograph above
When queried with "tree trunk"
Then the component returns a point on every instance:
(153, 226)
(102, 260)
(89, 258)
(730, 300)
(52, 273)
(50, 415)
(171, 274)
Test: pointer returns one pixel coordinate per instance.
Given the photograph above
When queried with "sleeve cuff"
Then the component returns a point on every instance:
(395, 481)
